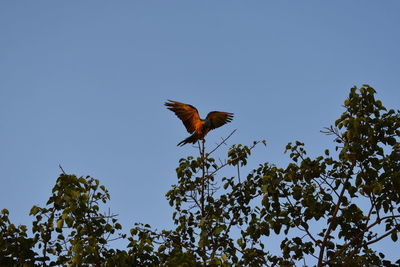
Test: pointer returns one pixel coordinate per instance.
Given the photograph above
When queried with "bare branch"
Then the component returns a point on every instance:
(59, 165)
(381, 237)
(230, 161)
(222, 142)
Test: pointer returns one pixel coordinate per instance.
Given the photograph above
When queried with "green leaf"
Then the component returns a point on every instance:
(6, 212)
(60, 223)
(133, 231)
(240, 242)
(34, 210)
(377, 189)
(161, 248)
(218, 230)
(108, 227)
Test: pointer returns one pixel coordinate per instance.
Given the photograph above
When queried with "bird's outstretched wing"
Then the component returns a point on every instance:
(187, 113)
(219, 118)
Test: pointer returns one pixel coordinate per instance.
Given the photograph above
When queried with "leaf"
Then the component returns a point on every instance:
(201, 243)
(277, 228)
(6, 212)
(34, 210)
(264, 188)
(264, 142)
(218, 230)
(240, 242)
(394, 236)
(134, 231)
(161, 248)
(377, 188)
(108, 227)
(69, 221)
(60, 223)
(224, 257)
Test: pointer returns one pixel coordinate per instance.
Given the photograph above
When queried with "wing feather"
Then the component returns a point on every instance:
(219, 118)
(187, 113)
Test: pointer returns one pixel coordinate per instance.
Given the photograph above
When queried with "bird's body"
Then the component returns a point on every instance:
(194, 125)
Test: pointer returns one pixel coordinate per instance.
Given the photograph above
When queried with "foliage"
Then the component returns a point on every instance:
(15, 247)
(326, 210)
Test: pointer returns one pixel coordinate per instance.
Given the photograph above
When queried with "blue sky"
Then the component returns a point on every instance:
(82, 84)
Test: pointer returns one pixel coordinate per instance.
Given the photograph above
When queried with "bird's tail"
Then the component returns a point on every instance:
(191, 139)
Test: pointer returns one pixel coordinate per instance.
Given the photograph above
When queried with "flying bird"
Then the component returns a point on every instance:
(194, 125)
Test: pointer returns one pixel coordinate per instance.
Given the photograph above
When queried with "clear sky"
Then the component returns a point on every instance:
(82, 84)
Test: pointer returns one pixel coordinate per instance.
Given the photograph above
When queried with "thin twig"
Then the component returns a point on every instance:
(223, 142)
(59, 165)
(233, 160)
(238, 171)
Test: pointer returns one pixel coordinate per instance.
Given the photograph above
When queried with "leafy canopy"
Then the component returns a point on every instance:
(325, 210)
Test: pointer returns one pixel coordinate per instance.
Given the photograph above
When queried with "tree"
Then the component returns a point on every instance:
(328, 210)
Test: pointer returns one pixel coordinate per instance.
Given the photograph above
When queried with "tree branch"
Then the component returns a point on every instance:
(328, 231)
(59, 165)
(222, 142)
(345, 246)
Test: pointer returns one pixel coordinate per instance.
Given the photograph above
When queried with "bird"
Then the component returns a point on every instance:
(194, 125)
